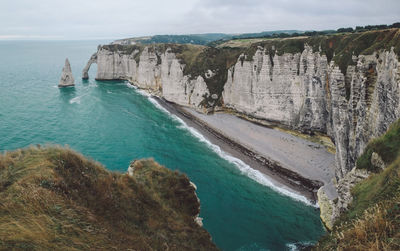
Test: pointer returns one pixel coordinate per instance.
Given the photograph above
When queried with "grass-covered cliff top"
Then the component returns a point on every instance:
(55, 199)
(338, 47)
(373, 219)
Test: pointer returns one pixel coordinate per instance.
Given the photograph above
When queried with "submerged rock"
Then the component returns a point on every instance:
(66, 78)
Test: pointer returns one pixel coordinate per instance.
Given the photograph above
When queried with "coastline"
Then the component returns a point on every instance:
(279, 176)
(266, 169)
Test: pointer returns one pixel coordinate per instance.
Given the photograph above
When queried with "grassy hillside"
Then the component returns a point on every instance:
(54, 198)
(373, 219)
(338, 47)
(200, 39)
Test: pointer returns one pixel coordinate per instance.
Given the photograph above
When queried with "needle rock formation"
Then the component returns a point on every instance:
(66, 77)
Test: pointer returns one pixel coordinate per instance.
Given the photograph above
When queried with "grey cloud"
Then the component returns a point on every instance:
(76, 19)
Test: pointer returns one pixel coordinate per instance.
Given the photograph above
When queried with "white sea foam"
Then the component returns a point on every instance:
(294, 247)
(76, 100)
(130, 85)
(243, 167)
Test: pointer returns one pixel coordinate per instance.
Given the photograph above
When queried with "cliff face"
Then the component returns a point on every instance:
(305, 92)
(289, 89)
(346, 86)
(159, 72)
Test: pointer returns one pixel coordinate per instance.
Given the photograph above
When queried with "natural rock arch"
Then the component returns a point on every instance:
(85, 72)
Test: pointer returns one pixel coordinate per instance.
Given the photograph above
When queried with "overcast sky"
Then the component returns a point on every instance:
(112, 19)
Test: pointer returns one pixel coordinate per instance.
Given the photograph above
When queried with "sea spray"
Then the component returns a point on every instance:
(243, 167)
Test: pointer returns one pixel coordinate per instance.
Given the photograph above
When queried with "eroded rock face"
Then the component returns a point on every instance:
(115, 65)
(66, 77)
(306, 93)
(288, 89)
(159, 73)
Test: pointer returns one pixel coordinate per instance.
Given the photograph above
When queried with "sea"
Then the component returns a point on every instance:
(114, 123)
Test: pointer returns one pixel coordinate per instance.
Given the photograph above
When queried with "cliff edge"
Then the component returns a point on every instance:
(54, 198)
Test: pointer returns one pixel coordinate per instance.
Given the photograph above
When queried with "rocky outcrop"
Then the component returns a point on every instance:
(331, 209)
(196, 218)
(66, 77)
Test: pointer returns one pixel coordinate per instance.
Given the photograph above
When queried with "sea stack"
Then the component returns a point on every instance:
(66, 78)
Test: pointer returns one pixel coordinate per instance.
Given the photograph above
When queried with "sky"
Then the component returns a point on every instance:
(113, 19)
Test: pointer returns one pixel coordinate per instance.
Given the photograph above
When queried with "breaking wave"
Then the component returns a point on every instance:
(243, 167)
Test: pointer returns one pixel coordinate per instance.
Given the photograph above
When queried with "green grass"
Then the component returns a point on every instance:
(372, 220)
(387, 147)
(54, 198)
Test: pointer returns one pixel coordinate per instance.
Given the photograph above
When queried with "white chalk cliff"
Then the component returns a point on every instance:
(160, 74)
(305, 92)
(66, 76)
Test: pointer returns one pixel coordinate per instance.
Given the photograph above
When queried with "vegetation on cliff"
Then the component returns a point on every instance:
(54, 198)
(372, 221)
(338, 47)
(214, 39)
(198, 59)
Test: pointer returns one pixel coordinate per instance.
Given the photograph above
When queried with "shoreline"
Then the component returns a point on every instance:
(279, 176)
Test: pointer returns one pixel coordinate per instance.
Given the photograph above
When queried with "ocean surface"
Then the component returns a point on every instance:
(113, 123)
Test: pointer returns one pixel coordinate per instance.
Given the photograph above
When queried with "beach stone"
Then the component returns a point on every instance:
(66, 77)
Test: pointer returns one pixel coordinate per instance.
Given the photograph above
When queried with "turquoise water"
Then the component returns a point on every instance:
(114, 124)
